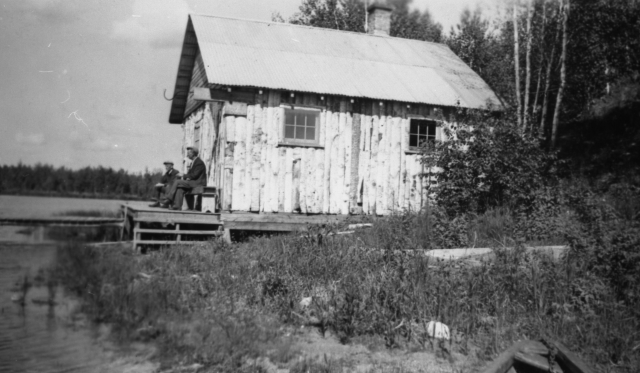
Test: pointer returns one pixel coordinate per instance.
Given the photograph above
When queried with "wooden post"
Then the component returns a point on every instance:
(136, 236)
(124, 222)
(178, 236)
(227, 235)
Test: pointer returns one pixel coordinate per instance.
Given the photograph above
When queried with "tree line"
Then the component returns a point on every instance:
(93, 182)
(553, 62)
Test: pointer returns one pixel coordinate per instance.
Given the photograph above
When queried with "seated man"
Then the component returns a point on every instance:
(167, 179)
(195, 176)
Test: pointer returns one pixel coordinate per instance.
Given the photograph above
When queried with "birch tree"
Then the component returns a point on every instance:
(563, 72)
(545, 100)
(516, 61)
(540, 64)
(527, 83)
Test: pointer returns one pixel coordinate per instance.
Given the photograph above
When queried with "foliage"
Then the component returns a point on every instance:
(349, 15)
(476, 41)
(219, 305)
(414, 24)
(346, 15)
(489, 163)
(98, 182)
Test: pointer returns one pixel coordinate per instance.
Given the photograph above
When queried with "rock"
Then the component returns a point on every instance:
(305, 302)
(438, 330)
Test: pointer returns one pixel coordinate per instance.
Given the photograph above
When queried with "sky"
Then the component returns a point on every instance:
(82, 81)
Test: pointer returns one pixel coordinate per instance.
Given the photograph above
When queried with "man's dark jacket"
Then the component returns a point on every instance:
(197, 172)
(169, 177)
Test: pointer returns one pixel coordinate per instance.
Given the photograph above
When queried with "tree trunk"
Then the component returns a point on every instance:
(527, 83)
(540, 63)
(563, 73)
(545, 101)
(516, 60)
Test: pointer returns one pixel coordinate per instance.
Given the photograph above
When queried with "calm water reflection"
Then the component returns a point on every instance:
(41, 328)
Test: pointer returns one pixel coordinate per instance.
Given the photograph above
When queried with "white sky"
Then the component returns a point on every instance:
(82, 80)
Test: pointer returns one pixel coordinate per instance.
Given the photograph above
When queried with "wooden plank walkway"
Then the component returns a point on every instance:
(140, 218)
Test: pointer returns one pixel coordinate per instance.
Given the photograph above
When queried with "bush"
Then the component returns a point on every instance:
(489, 163)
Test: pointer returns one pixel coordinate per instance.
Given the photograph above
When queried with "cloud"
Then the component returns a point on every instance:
(36, 139)
(57, 11)
(160, 23)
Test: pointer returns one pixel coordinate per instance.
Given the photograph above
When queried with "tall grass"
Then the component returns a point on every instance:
(221, 305)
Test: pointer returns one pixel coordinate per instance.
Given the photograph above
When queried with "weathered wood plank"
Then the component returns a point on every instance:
(356, 136)
(263, 169)
(381, 175)
(228, 177)
(569, 361)
(339, 190)
(394, 165)
(328, 141)
(274, 165)
(335, 166)
(210, 94)
(309, 183)
(231, 128)
(373, 164)
(319, 180)
(239, 162)
(248, 161)
(282, 170)
(296, 181)
(347, 141)
(256, 152)
(288, 180)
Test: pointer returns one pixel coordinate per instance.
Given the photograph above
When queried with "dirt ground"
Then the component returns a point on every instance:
(306, 348)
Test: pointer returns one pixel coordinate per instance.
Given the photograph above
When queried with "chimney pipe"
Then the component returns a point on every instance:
(379, 18)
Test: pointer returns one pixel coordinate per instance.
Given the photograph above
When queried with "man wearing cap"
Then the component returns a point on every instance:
(167, 179)
(195, 176)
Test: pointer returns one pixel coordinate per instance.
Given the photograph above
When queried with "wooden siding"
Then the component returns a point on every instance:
(198, 79)
(362, 166)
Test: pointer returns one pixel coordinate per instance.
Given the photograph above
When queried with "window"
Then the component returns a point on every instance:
(422, 132)
(301, 125)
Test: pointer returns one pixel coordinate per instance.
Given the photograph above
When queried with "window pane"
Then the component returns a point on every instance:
(311, 120)
(300, 133)
(289, 132)
(413, 140)
(432, 130)
(311, 133)
(413, 126)
(289, 117)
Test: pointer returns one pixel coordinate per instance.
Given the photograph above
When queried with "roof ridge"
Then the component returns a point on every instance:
(314, 28)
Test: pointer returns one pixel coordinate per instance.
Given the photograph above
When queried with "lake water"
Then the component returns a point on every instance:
(41, 328)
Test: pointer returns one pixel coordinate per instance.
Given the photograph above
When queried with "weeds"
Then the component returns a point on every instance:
(220, 305)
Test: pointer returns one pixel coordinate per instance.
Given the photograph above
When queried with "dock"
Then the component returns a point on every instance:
(159, 226)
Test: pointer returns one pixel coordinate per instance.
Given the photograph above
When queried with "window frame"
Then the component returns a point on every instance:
(284, 141)
(437, 126)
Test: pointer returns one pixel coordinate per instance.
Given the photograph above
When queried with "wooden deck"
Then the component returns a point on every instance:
(143, 222)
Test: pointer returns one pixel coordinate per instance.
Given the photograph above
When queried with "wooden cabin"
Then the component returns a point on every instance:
(297, 119)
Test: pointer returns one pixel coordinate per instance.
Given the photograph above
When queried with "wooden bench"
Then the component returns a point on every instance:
(195, 197)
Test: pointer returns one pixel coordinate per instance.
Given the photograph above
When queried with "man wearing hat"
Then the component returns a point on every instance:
(167, 179)
(195, 176)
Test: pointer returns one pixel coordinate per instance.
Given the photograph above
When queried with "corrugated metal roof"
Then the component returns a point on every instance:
(300, 58)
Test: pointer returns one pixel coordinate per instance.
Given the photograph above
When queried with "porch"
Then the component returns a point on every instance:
(158, 226)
